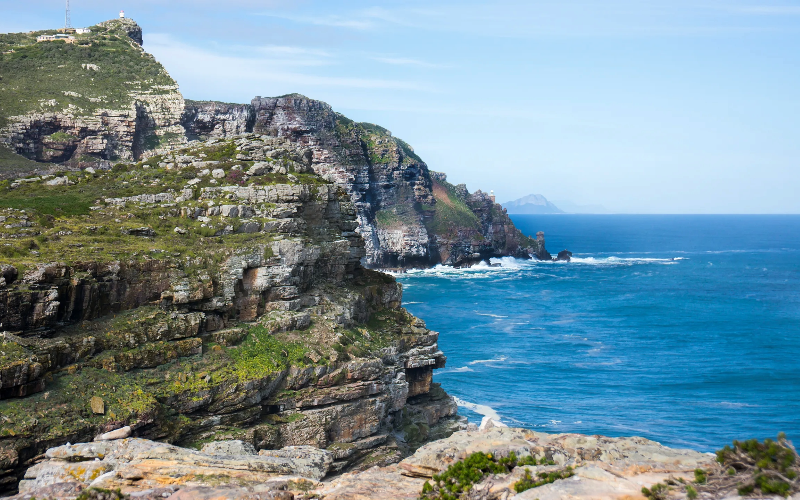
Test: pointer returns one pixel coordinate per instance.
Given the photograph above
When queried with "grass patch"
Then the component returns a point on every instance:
(60, 202)
(263, 353)
(49, 76)
(451, 215)
(14, 165)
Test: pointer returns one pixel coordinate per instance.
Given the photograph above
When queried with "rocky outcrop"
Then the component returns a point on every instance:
(408, 215)
(128, 26)
(602, 468)
(134, 465)
(204, 120)
(257, 322)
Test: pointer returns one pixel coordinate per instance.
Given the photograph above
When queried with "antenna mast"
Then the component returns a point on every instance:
(67, 21)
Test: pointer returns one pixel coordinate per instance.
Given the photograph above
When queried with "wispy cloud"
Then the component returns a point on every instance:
(189, 63)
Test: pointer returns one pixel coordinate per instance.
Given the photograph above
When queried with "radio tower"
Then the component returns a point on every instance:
(67, 21)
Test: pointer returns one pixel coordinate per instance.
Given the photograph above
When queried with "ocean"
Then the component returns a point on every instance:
(683, 329)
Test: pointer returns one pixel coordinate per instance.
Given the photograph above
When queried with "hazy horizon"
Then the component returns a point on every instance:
(668, 107)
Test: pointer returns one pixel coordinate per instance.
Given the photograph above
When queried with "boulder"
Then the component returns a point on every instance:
(260, 168)
(121, 433)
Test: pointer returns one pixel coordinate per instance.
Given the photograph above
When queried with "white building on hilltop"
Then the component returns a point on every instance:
(82, 31)
(122, 14)
(54, 38)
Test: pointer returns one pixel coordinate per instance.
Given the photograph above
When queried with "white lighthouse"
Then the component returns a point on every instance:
(122, 14)
(491, 195)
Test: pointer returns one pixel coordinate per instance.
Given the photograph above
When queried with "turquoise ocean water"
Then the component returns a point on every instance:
(681, 329)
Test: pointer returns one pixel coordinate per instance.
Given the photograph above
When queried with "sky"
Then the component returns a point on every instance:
(639, 106)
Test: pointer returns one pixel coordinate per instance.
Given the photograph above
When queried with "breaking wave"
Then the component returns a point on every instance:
(486, 411)
(498, 359)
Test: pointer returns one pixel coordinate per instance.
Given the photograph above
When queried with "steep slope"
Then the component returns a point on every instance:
(212, 293)
(408, 215)
(100, 98)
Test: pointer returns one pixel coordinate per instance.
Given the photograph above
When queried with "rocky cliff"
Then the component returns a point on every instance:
(408, 215)
(212, 293)
(101, 98)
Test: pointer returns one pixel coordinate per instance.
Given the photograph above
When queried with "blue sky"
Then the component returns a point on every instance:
(643, 107)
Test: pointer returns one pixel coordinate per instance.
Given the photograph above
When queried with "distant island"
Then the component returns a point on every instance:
(532, 204)
(538, 204)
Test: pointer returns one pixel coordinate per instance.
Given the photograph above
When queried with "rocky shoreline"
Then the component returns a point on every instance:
(604, 468)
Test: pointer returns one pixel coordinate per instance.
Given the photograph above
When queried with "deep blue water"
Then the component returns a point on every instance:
(691, 352)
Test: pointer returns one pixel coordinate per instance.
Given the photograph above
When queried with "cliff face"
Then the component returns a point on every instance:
(408, 215)
(212, 293)
(101, 98)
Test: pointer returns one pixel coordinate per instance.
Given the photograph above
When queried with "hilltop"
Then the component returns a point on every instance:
(100, 98)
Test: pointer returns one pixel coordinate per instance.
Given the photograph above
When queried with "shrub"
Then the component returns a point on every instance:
(459, 478)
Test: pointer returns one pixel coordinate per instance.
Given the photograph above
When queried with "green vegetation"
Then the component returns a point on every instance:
(49, 201)
(457, 481)
(771, 467)
(451, 216)
(408, 150)
(263, 353)
(11, 352)
(61, 137)
(373, 140)
(747, 468)
(542, 478)
(51, 76)
(658, 491)
(14, 165)
(73, 223)
(700, 476)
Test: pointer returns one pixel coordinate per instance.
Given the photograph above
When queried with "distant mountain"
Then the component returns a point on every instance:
(573, 208)
(532, 204)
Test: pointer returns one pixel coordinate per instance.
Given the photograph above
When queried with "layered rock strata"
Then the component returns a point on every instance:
(408, 215)
(231, 304)
(107, 100)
